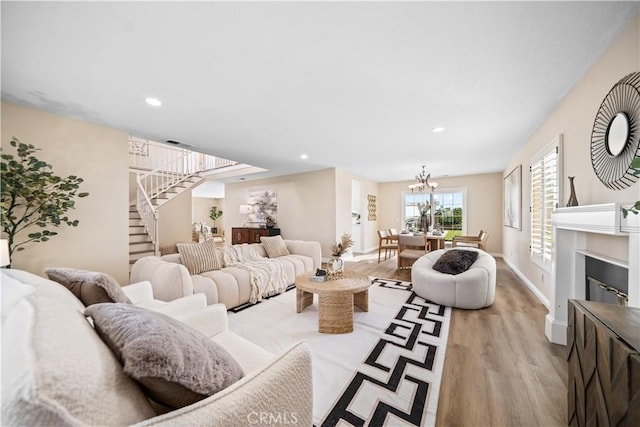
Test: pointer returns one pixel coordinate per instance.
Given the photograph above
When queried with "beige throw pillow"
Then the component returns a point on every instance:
(175, 364)
(274, 246)
(199, 257)
(90, 287)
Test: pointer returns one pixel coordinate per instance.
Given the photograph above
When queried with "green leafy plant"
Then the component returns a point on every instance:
(32, 195)
(635, 209)
(214, 214)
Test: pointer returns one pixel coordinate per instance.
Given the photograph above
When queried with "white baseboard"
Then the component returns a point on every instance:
(555, 330)
(528, 283)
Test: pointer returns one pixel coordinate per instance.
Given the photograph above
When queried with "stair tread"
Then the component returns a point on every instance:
(150, 251)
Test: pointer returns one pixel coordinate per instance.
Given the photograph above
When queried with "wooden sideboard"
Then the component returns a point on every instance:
(251, 234)
(603, 352)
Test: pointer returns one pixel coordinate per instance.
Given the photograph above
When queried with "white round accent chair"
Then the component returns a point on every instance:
(472, 289)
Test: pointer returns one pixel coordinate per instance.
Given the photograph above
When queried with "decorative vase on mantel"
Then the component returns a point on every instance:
(573, 200)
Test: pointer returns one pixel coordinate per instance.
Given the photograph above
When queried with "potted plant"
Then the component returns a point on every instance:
(214, 214)
(33, 196)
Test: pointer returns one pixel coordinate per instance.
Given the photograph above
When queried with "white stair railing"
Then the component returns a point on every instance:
(165, 167)
(149, 216)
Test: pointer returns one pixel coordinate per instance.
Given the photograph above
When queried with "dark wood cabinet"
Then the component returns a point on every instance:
(251, 235)
(603, 351)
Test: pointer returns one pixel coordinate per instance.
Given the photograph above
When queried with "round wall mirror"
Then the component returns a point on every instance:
(617, 134)
(615, 138)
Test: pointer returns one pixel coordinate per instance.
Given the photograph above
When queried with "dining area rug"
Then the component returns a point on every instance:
(386, 372)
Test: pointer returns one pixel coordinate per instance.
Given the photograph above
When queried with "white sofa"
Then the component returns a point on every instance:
(472, 289)
(57, 371)
(229, 285)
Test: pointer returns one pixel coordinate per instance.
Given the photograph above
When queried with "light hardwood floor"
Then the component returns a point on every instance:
(500, 369)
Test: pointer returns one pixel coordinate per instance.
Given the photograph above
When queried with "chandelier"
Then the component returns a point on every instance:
(423, 182)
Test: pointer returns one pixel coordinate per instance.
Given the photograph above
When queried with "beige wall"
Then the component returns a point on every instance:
(174, 223)
(574, 118)
(97, 154)
(200, 211)
(306, 205)
(484, 204)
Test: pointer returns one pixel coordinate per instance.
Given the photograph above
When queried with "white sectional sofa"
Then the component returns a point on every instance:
(230, 285)
(56, 370)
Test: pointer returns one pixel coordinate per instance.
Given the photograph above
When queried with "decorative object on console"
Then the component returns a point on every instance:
(573, 200)
(270, 221)
(615, 138)
(513, 198)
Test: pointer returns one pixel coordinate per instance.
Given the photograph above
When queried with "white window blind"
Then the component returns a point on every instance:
(545, 194)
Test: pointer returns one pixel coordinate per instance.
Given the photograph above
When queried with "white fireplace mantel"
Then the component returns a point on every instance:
(570, 229)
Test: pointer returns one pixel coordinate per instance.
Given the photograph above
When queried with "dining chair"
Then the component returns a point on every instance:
(479, 241)
(393, 235)
(384, 243)
(410, 248)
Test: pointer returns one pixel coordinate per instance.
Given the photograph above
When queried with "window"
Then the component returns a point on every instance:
(545, 193)
(449, 210)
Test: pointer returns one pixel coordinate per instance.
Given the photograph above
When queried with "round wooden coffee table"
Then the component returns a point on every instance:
(336, 299)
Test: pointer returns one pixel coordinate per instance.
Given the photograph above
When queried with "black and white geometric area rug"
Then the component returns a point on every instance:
(386, 372)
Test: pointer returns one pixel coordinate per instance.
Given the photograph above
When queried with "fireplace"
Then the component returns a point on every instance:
(606, 282)
(571, 226)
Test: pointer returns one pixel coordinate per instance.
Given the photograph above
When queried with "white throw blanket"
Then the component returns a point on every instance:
(267, 276)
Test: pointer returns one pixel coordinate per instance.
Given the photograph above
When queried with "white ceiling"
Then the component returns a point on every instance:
(355, 85)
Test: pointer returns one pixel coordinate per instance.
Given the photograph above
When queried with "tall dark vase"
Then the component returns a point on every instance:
(573, 200)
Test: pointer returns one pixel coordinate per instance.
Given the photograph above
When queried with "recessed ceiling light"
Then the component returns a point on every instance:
(438, 129)
(304, 156)
(154, 102)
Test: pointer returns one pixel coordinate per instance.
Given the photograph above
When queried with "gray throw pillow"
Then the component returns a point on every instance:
(90, 287)
(455, 261)
(175, 364)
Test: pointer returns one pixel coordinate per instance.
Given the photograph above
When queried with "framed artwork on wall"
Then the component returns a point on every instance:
(371, 207)
(513, 198)
(260, 205)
